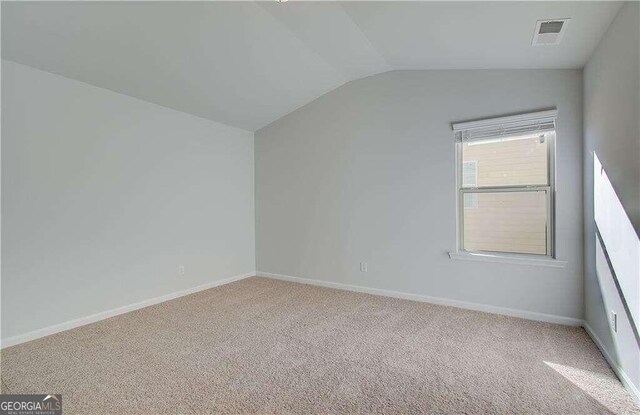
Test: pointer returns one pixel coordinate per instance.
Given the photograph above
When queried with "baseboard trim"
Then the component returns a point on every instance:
(624, 379)
(57, 328)
(529, 315)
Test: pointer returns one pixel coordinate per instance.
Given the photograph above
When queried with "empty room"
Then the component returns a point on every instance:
(320, 207)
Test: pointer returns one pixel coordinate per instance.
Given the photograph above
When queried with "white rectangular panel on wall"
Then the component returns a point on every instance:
(619, 237)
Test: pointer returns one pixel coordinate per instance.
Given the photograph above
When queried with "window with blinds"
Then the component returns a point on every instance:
(506, 184)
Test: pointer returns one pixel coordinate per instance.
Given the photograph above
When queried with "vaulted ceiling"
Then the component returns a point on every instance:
(247, 64)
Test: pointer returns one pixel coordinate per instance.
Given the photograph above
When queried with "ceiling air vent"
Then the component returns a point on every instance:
(549, 32)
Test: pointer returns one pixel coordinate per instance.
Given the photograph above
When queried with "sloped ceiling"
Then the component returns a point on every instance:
(247, 64)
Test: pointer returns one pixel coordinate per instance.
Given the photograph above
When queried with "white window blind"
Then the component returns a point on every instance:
(515, 125)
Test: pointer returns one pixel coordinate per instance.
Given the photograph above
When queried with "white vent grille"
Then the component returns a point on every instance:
(549, 32)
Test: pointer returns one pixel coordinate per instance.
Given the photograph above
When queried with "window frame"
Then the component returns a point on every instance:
(550, 189)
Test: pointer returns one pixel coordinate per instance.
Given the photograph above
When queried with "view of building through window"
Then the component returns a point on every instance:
(505, 194)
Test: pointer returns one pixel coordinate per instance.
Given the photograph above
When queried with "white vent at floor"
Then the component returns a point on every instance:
(549, 32)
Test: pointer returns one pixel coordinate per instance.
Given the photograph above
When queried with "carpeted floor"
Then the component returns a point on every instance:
(266, 346)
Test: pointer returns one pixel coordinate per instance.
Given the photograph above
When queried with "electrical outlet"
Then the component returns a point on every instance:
(181, 270)
(363, 267)
(614, 321)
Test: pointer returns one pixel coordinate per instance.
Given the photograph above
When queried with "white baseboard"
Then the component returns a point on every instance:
(57, 328)
(529, 315)
(633, 390)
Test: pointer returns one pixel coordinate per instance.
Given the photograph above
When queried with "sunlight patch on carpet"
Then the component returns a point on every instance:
(599, 386)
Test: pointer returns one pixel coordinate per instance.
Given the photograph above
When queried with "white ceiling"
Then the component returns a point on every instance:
(247, 64)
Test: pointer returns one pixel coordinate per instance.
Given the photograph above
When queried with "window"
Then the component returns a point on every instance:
(506, 184)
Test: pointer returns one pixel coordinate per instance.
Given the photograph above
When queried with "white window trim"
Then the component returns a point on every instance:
(506, 258)
(548, 260)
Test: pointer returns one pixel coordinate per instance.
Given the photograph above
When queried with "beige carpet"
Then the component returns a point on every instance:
(266, 346)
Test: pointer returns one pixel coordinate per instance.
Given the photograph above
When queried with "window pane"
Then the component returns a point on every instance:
(506, 222)
(471, 200)
(470, 173)
(510, 161)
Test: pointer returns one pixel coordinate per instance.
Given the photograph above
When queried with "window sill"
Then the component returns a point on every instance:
(508, 259)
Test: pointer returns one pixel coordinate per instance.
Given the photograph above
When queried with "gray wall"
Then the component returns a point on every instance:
(366, 173)
(104, 196)
(612, 130)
